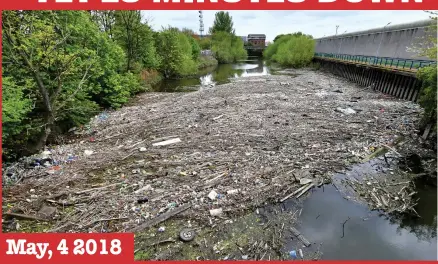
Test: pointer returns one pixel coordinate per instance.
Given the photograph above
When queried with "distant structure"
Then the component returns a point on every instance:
(244, 38)
(201, 24)
(257, 40)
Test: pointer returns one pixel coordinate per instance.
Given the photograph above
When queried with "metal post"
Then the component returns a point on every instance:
(201, 24)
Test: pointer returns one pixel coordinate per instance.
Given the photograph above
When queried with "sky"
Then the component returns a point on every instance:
(272, 23)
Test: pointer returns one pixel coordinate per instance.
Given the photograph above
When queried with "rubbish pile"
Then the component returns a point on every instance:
(219, 151)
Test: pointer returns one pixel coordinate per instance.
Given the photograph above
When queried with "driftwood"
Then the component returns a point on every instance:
(98, 188)
(25, 217)
(306, 189)
(300, 236)
(160, 218)
(294, 193)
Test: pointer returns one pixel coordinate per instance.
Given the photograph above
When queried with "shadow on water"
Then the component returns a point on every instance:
(367, 234)
(253, 66)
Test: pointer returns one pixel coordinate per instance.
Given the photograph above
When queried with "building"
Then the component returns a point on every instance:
(244, 38)
(258, 40)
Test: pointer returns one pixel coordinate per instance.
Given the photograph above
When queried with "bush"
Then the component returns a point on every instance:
(292, 50)
(204, 43)
(228, 48)
(176, 54)
(428, 94)
(207, 61)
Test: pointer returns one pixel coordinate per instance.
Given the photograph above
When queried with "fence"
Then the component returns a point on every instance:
(397, 63)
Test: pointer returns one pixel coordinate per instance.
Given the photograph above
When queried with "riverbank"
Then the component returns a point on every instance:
(241, 145)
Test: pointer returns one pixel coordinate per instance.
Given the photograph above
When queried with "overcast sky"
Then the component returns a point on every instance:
(272, 23)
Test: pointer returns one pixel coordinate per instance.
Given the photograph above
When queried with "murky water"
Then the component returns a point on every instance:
(253, 66)
(368, 235)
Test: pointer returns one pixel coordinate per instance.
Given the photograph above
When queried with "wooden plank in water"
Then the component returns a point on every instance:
(160, 218)
(297, 233)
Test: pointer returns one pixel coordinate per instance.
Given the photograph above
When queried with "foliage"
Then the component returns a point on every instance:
(428, 76)
(177, 54)
(293, 34)
(295, 50)
(62, 67)
(15, 107)
(205, 43)
(223, 22)
(68, 68)
(207, 61)
(137, 40)
(428, 94)
(228, 48)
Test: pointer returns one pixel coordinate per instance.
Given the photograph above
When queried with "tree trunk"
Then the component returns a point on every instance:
(49, 122)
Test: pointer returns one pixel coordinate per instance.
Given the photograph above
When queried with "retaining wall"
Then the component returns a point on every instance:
(394, 41)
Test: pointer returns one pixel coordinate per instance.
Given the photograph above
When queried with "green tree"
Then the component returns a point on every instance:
(428, 75)
(228, 48)
(105, 20)
(67, 66)
(295, 50)
(15, 108)
(137, 40)
(176, 54)
(223, 22)
(205, 43)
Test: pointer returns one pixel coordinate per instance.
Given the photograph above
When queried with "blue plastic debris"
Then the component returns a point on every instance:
(293, 254)
(103, 116)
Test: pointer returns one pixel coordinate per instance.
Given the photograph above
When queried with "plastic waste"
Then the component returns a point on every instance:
(235, 191)
(293, 254)
(212, 195)
(346, 111)
(161, 229)
(216, 212)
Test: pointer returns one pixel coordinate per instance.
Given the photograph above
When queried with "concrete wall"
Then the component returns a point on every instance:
(395, 41)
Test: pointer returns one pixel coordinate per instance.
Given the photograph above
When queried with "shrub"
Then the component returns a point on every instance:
(228, 48)
(176, 53)
(428, 94)
(292, 50)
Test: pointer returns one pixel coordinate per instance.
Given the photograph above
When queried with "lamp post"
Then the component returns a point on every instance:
(336, 30)
(381, 39)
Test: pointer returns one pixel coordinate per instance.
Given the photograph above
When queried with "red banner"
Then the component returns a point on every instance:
(67, 248)
(222, 4)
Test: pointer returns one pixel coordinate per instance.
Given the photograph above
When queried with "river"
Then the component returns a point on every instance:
(367, 234)
(221, 74)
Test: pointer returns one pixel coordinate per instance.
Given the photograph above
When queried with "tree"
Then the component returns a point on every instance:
(65, 65)
(296, 50)
(223, 22)
(176, 53)
(293, 34)
(57, 50)
(227, 48)
(105, 20)
(137, 39)
(428, 75)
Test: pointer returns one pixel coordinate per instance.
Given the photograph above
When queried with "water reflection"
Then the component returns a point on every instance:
(253, 66)
(369, 235)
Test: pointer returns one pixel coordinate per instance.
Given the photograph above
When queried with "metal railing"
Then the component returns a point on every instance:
(405, 64)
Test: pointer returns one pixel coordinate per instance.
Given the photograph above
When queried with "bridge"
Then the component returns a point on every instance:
(386, 57)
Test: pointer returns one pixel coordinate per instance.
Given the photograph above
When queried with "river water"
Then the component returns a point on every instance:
(221, 74)
(367, 234)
